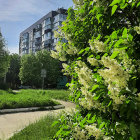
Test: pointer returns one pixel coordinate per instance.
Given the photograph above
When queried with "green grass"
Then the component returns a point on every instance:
(40, 130)
(31, 98)
(54, 94)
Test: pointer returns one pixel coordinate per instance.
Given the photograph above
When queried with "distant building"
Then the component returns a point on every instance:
(40, 35)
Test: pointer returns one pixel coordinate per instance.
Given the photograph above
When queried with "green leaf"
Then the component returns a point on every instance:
(98, 37)
(96, 97)
(88, 116)
(124, 34)
(114, 2)
(95, 87)
(91, 56)
(91, 3)
(54, 123)
(130, 138)
(118, 42)
(135, 90)
(99, 120)
(106, 54)
(113, 116)
(79, 58)
(115, 53)
(109, 103)
(82, 50)
(123, 6)
(123, 48)
(133, 130)
(101, 125)
(130, 37)
(98, 57)
(87, 49)
(114, 35)
(133, 4)
(138, 4)
(114, 8)
(92, 119)
(127, 101)
(98, 17)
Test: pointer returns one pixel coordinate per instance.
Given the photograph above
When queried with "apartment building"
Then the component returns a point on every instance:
(40, 35)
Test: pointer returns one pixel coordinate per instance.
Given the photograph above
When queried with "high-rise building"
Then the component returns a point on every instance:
(40, 35)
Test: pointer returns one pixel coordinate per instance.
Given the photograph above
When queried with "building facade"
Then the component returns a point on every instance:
(40, 35)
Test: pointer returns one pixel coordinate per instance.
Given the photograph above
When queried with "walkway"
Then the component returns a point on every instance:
(10, 123)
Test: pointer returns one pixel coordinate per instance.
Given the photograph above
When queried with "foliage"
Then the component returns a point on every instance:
(41, 129)
(102, 56)
(12, 76)
(4, 58)
(31, 65)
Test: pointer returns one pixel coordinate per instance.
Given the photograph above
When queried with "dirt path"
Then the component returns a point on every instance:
(10, 123)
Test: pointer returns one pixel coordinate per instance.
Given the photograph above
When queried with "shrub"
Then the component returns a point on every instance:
(102, 56)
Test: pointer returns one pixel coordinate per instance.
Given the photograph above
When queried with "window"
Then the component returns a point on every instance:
(47, 21)
(47, 36)
(47, 27)
(37, 34)
(60, 17)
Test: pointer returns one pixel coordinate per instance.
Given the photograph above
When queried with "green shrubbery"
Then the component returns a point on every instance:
(103, 58)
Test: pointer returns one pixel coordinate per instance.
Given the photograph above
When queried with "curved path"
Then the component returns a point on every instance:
(11, 123)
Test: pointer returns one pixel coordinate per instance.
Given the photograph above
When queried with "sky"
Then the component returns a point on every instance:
(17, 15)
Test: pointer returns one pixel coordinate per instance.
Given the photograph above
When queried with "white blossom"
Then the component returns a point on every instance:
(137, 29)
(93, 61)
(97, 46)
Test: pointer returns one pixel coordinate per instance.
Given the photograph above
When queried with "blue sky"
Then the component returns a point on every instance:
(17, 15)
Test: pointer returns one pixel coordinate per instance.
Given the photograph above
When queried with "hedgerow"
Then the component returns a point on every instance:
(102, 56)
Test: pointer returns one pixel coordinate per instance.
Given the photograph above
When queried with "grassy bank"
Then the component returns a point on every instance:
(54, 94)
(31, 98)
(40, 130)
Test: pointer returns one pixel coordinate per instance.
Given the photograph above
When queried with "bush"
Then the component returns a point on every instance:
(4, 86)
(103, 57)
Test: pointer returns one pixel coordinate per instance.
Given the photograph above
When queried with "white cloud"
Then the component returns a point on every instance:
(15, 10)
(18, 10)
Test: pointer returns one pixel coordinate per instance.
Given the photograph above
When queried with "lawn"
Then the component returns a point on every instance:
(40, 130)
(31, 98)
(54, 94)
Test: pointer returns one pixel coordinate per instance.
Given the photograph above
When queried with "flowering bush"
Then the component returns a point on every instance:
(102, 56)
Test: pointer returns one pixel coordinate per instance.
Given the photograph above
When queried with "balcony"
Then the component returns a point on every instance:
(59, 17)
(37, 36)
(37, 28)
(47, 30)
(55, 28)
(47, 22)
(37, 43)
(47, 42)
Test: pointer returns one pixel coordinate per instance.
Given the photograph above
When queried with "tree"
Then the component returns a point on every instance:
(31, 65)
(103, 57)
(51, 65)
(29, 71)
(12, 76)
(4, 58)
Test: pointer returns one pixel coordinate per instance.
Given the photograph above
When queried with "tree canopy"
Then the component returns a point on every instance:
(31, 65)
(102, 56)
(4, 57)
(12, 76)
